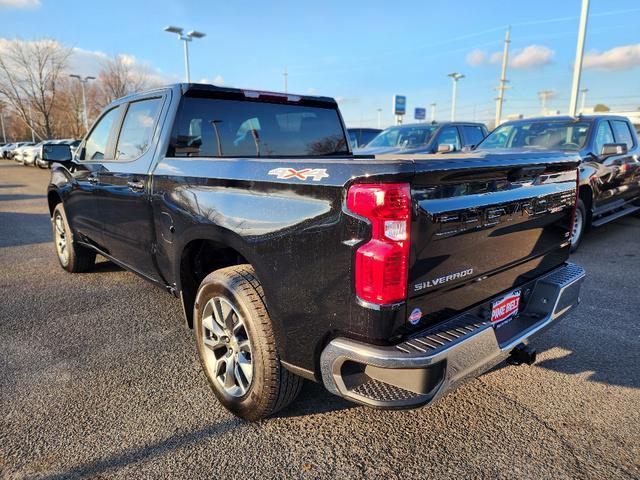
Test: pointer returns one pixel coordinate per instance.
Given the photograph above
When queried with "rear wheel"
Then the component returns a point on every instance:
(236, 345)
(72, 257)
(579, 225)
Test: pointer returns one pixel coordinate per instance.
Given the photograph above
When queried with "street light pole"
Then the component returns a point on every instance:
(433, 112)
(286, 78)
(503, 77)
(186, 38)
(4, 136)
(379, 118)
(33, 134)
(583, 100)
(83, 82)
(577, 65)
(455, 76)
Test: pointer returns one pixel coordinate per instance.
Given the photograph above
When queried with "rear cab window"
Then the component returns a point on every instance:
(220, 127)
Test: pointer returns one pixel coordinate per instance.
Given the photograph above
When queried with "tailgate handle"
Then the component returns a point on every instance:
(526, 172)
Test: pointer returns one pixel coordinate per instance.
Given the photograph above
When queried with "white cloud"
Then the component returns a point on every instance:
(476, 58)
(624, 57)
(218, 80)
(531, 57)
(311, 91)
(20, 3)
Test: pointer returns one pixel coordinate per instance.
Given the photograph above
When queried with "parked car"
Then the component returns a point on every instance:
(359, 137)
(390, 282)
(30, 153)
(18, 153)
(6, 148)
(610, 161)
(426, 138)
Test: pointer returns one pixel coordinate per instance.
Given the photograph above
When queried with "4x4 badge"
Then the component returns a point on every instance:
(284, 173)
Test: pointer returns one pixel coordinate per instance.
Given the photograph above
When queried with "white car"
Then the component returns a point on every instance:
(31, 153)
(19, 152)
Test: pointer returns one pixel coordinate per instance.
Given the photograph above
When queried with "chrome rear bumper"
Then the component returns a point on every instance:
(427, 365)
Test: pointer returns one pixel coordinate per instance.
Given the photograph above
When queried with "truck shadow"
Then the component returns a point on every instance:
(18, 229)
(315, 399)
(128, 457)
(11, 197)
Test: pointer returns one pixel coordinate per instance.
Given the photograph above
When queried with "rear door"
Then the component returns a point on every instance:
(123, 189)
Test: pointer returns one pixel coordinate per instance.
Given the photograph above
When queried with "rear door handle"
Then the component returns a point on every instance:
(136, 185)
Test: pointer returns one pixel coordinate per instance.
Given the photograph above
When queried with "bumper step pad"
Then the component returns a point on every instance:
(430, 363)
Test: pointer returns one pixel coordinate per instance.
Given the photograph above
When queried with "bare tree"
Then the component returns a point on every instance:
(119, 78)
(29, 79)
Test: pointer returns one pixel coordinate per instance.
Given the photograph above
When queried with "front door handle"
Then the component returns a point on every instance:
(92, 180)
(136, 185)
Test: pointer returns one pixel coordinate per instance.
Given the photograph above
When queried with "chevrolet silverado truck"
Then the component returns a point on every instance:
(610, 161)
(390, 280)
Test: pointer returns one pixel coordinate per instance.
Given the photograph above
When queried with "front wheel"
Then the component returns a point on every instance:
(236, 345)
(72, 257)
(579, 226)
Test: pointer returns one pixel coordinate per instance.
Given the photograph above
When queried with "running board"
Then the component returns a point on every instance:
(614, 216)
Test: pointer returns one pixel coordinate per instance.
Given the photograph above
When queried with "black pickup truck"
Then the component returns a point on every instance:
(388, 280)
(610, 161)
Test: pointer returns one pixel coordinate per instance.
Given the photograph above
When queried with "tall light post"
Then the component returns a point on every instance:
(433, 112)
(455, 76)
(502, 86)
(83, 82)
(286, 77)
(186, 38)
(379, 118)
(4, 136)
(577, 64)
(33, 134)
(583, 100)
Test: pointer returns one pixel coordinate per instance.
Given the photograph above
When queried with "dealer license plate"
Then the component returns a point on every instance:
(506, 307)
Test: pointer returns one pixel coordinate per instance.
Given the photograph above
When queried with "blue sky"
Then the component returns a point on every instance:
(360, 52)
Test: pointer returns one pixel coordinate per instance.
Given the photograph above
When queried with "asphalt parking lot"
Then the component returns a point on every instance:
(99, 379)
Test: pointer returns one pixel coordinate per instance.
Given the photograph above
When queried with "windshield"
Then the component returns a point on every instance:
(551, 135)
(404, 137)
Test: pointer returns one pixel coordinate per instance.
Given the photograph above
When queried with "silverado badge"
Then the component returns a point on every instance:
(284, 173)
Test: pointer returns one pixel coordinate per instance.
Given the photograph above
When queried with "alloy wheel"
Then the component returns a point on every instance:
(61, 239)
(227, 349)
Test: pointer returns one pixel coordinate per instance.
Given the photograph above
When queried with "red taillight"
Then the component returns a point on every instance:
(381, 264)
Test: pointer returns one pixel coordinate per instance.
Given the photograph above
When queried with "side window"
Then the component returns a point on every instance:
(622, 133)
(96, 144)
(473, 135)
(603, 135)
(449, 135)
(137, 128)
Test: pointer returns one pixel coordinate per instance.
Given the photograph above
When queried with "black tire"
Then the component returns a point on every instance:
(579, 230)
(78, 258)
(272, 387)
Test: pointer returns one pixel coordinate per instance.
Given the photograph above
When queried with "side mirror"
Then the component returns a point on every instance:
(445, 148)
(609, 149)
(55, 153)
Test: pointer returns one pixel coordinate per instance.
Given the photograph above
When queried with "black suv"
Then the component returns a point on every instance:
(610, 168)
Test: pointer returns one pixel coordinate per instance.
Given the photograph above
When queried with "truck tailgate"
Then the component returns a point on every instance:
(485, 223)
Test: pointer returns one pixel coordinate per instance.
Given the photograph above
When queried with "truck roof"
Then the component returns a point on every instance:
(195, 88)
(566, 118)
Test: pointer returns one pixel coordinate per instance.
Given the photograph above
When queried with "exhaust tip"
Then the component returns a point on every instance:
(522, 354)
